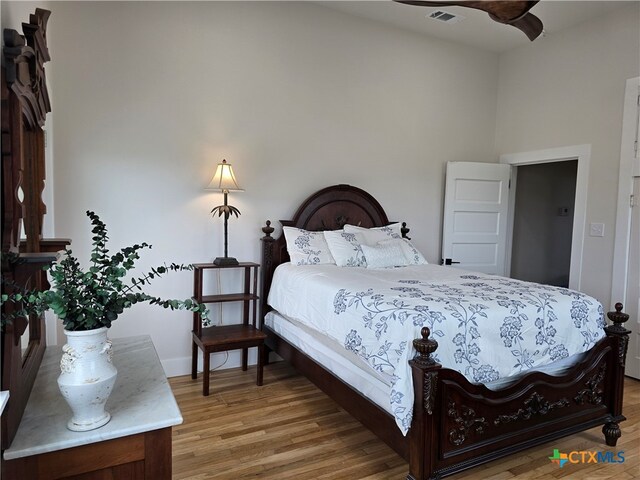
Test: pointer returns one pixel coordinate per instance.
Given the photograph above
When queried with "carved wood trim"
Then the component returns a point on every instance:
(25, 104)
(619, 318)
(623, 346)
(11, 171)
(466, 422)
(594, 388)
(535, 405)
(25, 57)
(430, 387)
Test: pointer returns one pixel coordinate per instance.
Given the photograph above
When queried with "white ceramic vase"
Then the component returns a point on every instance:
(87, 377)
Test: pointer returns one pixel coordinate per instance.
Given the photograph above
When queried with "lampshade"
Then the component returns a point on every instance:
(224, 179)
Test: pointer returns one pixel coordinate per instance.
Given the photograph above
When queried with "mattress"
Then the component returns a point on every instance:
(491, 329)
(349, 368)
(328, 353)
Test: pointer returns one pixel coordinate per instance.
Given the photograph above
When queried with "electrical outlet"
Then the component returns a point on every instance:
(596, 230)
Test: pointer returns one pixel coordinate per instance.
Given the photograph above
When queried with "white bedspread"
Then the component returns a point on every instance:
(487, 327)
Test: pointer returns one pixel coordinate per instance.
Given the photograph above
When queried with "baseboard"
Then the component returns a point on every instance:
(176, 367)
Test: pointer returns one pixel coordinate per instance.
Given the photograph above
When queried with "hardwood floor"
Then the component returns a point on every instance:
(289, 429)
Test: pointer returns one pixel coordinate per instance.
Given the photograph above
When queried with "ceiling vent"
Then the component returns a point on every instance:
(445, 17)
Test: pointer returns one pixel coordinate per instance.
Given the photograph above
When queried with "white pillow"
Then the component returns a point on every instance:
(411, 253)
(384, 255)
(307, 248)
(371, 236)
(345, 248)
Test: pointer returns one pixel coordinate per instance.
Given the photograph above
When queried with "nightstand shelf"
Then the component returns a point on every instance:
(227, 337)
(227, 297)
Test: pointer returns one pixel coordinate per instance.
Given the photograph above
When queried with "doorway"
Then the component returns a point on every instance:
(480, 189)
(543, 222)
(582, 155)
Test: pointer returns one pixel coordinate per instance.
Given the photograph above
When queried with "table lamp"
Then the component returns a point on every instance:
(225, 181)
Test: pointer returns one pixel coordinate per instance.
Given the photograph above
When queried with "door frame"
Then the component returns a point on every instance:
(625, 190)
(581, 153)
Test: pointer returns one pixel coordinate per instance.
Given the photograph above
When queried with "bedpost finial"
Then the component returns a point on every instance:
(617, 329)
(618, 317)
(425, 347)
(405, 231)
(268, 230)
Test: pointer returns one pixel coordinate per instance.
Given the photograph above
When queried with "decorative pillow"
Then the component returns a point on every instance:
(412, 254)
(371, 236)
(384, 255)
(345, 248)
(307, 248)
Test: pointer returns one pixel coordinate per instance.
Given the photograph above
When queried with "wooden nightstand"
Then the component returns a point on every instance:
(227, 337)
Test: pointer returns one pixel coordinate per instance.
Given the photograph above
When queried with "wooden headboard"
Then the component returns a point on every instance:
(328, 209)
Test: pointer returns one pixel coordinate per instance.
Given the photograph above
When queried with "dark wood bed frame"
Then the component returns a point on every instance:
(458, 425)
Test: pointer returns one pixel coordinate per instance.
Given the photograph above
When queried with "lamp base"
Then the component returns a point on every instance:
(225, 261)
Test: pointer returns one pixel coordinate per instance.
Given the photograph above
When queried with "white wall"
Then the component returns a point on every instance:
(568, 89)
(149, 97)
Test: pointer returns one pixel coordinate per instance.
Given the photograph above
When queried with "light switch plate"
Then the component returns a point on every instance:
(596, 230)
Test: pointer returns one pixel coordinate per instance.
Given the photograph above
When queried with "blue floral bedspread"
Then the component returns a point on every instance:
(487, 327)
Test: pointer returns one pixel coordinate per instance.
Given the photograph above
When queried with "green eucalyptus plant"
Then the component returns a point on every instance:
(94, 297)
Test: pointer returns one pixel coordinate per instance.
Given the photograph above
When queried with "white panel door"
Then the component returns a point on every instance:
(632, 306)
(475, 216)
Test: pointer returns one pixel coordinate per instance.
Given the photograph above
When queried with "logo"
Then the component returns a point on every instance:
(585, 457)
(559, 458)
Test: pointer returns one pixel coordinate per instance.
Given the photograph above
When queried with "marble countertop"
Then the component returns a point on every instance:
(141, 401)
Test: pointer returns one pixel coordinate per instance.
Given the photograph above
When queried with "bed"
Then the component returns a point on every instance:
(454, 422)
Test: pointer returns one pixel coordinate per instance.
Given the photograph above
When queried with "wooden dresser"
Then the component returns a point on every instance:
(135, 444)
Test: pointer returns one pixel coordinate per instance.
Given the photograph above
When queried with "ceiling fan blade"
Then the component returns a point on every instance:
(530, 25)
(514, 12)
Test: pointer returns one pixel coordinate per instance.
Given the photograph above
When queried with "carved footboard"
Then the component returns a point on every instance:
(458, 425)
